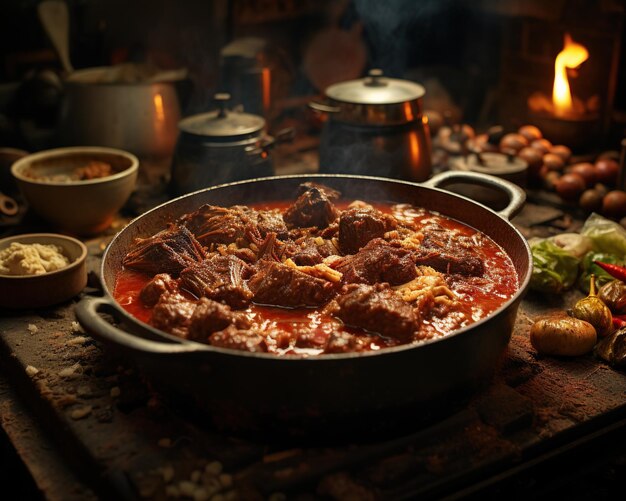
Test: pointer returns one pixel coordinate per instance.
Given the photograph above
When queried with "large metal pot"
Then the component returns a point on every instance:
(220, 147)
(139, 117)
(375, 126)
(257, 391)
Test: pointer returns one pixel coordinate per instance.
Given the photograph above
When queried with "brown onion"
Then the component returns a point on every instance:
(601, 188)
(554, 162)
(533, 157)
(586, 170)
(614, 204)
(570, 186)
(563, 151)
(591, 200)
(530, 132)
(550, 177)
(607, 170)
(542, 145)
(513, 142)
(610, 154)
(563, 336)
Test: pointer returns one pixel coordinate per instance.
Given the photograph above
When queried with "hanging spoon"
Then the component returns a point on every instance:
(55, 20)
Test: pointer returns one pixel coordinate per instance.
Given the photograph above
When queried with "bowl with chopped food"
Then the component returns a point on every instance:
(77, 189)
(41, 269)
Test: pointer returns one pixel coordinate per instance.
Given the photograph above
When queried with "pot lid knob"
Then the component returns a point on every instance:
(221, 98)
(375, 78)
(223, 124)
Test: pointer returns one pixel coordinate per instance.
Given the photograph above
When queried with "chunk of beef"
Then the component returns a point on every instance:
(220, 225)
(169, 251)
(245, 254)
(308, 251)
(238, 224)
(378, 261)
(448, 252)
(377, 308)
(211, 316)
(172, 314)
(331, 193)
(220, 278)
(151, 292)
(358, 226)
(239, 339)
(312, 208)
(281, 285)
(467, 265)
(331, 231)
(270, 248)
(271, 221)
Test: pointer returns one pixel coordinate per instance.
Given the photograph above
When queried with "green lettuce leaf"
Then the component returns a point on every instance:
(554, 269)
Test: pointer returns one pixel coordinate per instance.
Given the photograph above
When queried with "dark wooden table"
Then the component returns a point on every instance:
(86, 425)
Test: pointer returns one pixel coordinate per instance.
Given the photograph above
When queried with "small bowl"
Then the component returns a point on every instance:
(38, 291)
(81, 207)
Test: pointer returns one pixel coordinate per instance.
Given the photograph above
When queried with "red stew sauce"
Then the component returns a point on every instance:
(477, 296)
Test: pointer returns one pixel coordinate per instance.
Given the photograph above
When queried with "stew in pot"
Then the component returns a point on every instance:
(314, 276)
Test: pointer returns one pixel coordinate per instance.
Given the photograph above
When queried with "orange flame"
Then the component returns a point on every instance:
(572, 56)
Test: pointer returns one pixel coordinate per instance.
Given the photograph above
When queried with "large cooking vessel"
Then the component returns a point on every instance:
(375, 126)
(260, 391)
(140, 117)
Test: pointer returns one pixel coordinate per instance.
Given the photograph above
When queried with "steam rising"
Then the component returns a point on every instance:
(392, 26)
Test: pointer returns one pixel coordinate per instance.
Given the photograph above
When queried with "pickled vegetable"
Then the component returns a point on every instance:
(613, 348)
(613, 295)
(593, 310)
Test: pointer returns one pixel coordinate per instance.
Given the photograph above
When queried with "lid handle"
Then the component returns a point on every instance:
(375, 78)
(221, 98)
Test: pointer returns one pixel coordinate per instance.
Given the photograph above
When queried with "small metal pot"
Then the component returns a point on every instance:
(375, 126)
(220, 147)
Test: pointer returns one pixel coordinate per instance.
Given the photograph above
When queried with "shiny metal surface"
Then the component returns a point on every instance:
(375, 100)
(375, 126)
(223, 125)
(399, 152)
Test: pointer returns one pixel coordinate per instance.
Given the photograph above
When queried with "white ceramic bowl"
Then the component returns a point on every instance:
(38, 291)
(82, 207)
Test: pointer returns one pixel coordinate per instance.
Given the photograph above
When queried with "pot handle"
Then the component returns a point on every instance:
(323, 108)
(88, 313)
(517, 196)
(286, 135)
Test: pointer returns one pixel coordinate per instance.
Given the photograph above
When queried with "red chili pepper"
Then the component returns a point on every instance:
(618, 323)
(614, 270)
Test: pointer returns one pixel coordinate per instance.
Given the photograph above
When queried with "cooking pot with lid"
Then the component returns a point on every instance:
(375, 126)
(219, 147)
